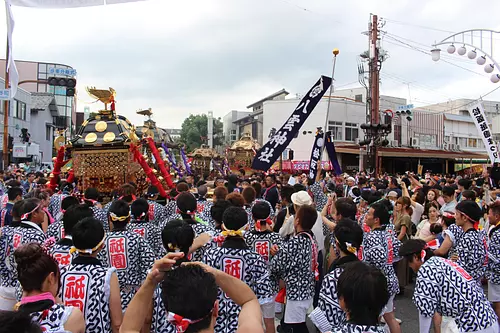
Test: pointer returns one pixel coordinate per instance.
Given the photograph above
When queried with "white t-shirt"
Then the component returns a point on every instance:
(288, 229)
(418, 210)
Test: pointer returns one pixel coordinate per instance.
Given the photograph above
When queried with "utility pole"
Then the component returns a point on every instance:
(374, 88)
(6, 110)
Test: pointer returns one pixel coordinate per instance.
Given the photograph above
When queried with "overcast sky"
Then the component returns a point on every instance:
(192, 56)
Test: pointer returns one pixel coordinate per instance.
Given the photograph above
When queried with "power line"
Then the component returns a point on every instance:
(417, 25)
(411, 47)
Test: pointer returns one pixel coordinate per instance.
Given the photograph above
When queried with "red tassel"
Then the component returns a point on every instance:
(57, 169)
(147, 169)
(159, 160)
(71, 177)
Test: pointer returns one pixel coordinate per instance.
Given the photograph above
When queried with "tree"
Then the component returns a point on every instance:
(194, 131)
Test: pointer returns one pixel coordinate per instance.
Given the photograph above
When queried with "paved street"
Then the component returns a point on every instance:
(406, 311)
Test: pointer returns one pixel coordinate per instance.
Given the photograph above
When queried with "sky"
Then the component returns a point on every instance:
(193, 56)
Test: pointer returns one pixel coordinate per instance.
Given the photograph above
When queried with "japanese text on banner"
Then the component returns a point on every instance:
(477, 113)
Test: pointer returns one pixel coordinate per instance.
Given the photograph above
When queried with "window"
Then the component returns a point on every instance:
(336, 128)
(19, 110)
(233, 135)
(472, 143)
(351, 131)
(463, 142)
(42, 68)
(47, 132)
(358, 98)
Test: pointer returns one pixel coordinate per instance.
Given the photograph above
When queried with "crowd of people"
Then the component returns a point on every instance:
(231, 254)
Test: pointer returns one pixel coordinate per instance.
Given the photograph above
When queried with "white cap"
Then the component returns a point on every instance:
(301, 198)
(351, 179)
(392, 194)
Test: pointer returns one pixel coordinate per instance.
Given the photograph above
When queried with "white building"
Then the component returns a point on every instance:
(230, 130)
(35, 113)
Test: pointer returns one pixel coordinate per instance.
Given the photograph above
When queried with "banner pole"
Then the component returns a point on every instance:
(325, 129)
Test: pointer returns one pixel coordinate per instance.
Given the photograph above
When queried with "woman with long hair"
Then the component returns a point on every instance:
(402, 218)
(423, 228)
(39, 276)
(431, 200)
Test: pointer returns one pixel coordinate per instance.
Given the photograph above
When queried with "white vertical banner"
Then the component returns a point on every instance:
(11, 65)
(476, 111)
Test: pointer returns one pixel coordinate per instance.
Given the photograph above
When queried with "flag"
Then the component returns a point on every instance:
(11, 65)
(316, 152)
(272, 150)
(332, 154)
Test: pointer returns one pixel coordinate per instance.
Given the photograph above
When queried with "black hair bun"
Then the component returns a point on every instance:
(26, 255)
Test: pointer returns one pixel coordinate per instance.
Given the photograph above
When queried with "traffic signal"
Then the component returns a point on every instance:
(290, 154)
(70, 84)
(406, 113)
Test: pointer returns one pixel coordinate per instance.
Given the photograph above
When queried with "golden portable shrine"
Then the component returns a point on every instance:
(242, 152)
(204, 159)
(106, 152)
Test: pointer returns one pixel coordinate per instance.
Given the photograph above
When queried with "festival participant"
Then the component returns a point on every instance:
(235, 258)
(236, 199)
(30, 230)
(431, 200)
(423, 228)
(191, 293)
(362, 293)
(5, 197)
(470, 249)
(186, 210)
(296, 263)
(271, 193)
(91, 197)
(39, 275)
(8, 278)
(203, 206)
(436, 278)
(56, 229)
(379, 249)
(44, 198)
(171, 207)
(287, 210)
(127, 193)
(15, 321)
(220, 193)
(61, 250)
(217, 211)
(156, 212)
(316, 191)
(265, 242)
(56, 199)
(87, 284)
(328, 315)
(177, 237)
(128, 252)
(449, 200)
(141, 225)
(402, 218)
(14, 194)
(493, 266)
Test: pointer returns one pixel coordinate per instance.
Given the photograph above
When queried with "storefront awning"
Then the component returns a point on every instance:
(412, 152)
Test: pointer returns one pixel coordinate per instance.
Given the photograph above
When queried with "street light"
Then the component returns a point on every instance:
(476, 37)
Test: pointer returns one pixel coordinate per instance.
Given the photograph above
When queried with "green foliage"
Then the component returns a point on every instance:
(194, 131)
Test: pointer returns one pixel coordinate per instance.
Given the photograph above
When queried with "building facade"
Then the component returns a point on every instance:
(33, 71)
(230, 129)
